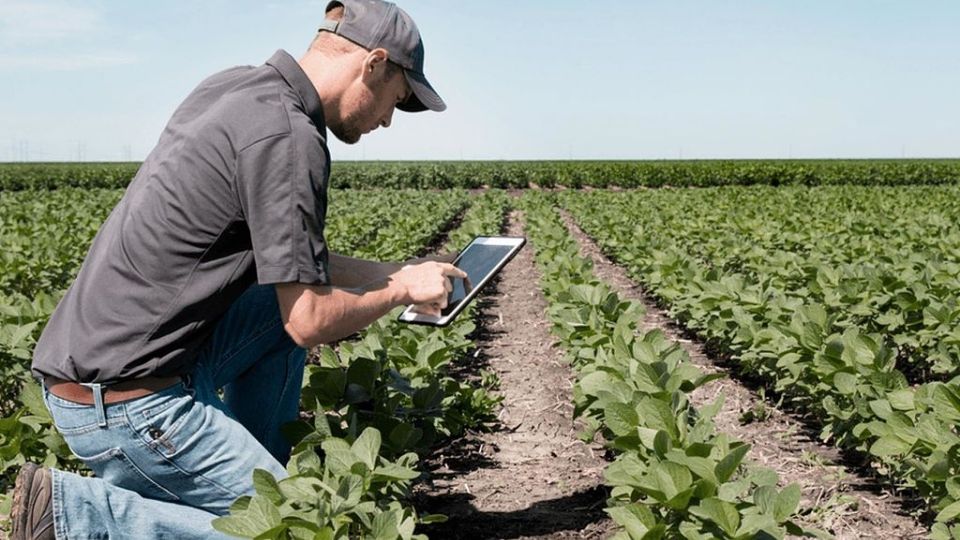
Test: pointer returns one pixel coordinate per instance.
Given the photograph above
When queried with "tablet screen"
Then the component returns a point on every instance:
(477, 261)
(483, 258)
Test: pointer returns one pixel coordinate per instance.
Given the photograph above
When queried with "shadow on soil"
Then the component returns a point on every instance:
(572, 513)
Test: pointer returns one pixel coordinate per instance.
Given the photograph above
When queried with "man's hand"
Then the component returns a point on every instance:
(426, 285)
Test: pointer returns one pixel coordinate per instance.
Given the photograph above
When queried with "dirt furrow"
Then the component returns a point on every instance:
(531, 477)
(841, 500)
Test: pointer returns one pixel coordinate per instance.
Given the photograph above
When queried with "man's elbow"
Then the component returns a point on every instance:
(305, 317)
(307, 336)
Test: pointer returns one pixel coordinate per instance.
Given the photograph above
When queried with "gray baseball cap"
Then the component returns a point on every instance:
(376, 24)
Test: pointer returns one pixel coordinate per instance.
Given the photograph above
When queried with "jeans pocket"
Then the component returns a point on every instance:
(115, 467)
(166, 428)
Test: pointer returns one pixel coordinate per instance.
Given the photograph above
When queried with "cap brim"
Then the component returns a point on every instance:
(423, 97)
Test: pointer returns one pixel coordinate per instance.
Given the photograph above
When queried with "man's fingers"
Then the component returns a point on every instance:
(422, 286)
(427, 309)
(451, 270)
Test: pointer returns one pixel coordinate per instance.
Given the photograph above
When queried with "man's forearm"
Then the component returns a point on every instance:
(353, 273)
(343, 311)
(320, 314)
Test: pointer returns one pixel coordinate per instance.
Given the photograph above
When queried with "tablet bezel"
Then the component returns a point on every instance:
(516, 243)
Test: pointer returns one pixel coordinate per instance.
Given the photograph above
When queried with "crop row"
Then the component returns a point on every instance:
(522, 174)
(674, 476)
(884, 260)
(799, 289)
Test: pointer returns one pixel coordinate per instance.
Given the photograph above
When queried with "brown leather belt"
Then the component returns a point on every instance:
(114, 393)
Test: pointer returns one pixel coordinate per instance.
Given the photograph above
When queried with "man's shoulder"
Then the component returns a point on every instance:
(250, 103)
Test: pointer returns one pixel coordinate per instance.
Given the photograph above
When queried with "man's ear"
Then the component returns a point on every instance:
(375, 63)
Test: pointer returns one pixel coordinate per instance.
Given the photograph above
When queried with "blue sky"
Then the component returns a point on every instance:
(97, 80)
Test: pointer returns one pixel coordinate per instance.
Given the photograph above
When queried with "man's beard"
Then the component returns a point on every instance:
(349, 130)
(346, 132)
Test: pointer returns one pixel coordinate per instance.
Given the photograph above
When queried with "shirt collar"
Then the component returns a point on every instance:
(291, 72)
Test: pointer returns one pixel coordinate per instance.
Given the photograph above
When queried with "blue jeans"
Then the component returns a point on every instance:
(168, 463)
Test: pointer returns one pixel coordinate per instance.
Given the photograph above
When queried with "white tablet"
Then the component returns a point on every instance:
(481, 260)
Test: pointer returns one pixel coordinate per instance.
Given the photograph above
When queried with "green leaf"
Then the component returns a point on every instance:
(240, 504)
(339, 457)
(304, 462)
(302, 488)
(363, 372)
(902, 400)
(386, 525)
(881, 408)
(812, 336)
(889, 445)
(949, 513)
(729, 464)
(787, 502)
(326, 386)
(31, 395)
(322, 425)
(845, 383)
(946, 402)
(259, 517)
(328, 357)
(367, 447)
(595, 382)
(765, 497)
(626, 470)
(428, 397)
(638, 520)
(754, 523)
(265, 484)
(20, 335)
(662, 443)
(724, 514)
(953, 487)
(672, 478)
(634, 518)
(858, 348)
(350, 490)
(404, 436)
(700, 466)
(393, 471)
(274, 533)
(621, 418)
(432, 353)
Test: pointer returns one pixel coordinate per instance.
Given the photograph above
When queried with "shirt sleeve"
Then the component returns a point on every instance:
(283, 196)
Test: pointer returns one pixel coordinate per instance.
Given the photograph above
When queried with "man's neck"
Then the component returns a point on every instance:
(330, 77)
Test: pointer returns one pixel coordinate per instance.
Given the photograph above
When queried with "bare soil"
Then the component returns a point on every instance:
(531, 477)
(837, 498)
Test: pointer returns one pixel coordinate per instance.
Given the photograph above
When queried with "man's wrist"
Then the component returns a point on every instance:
(396, 292)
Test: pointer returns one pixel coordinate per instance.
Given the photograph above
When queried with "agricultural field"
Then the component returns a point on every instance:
(523, 174)
(683, 350)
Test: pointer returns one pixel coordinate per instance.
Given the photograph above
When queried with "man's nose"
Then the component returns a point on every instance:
(386, 120)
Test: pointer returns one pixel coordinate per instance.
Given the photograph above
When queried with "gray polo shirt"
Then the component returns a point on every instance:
(234, 192)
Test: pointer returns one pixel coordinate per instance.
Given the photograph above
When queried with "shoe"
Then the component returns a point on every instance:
(32, 512)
